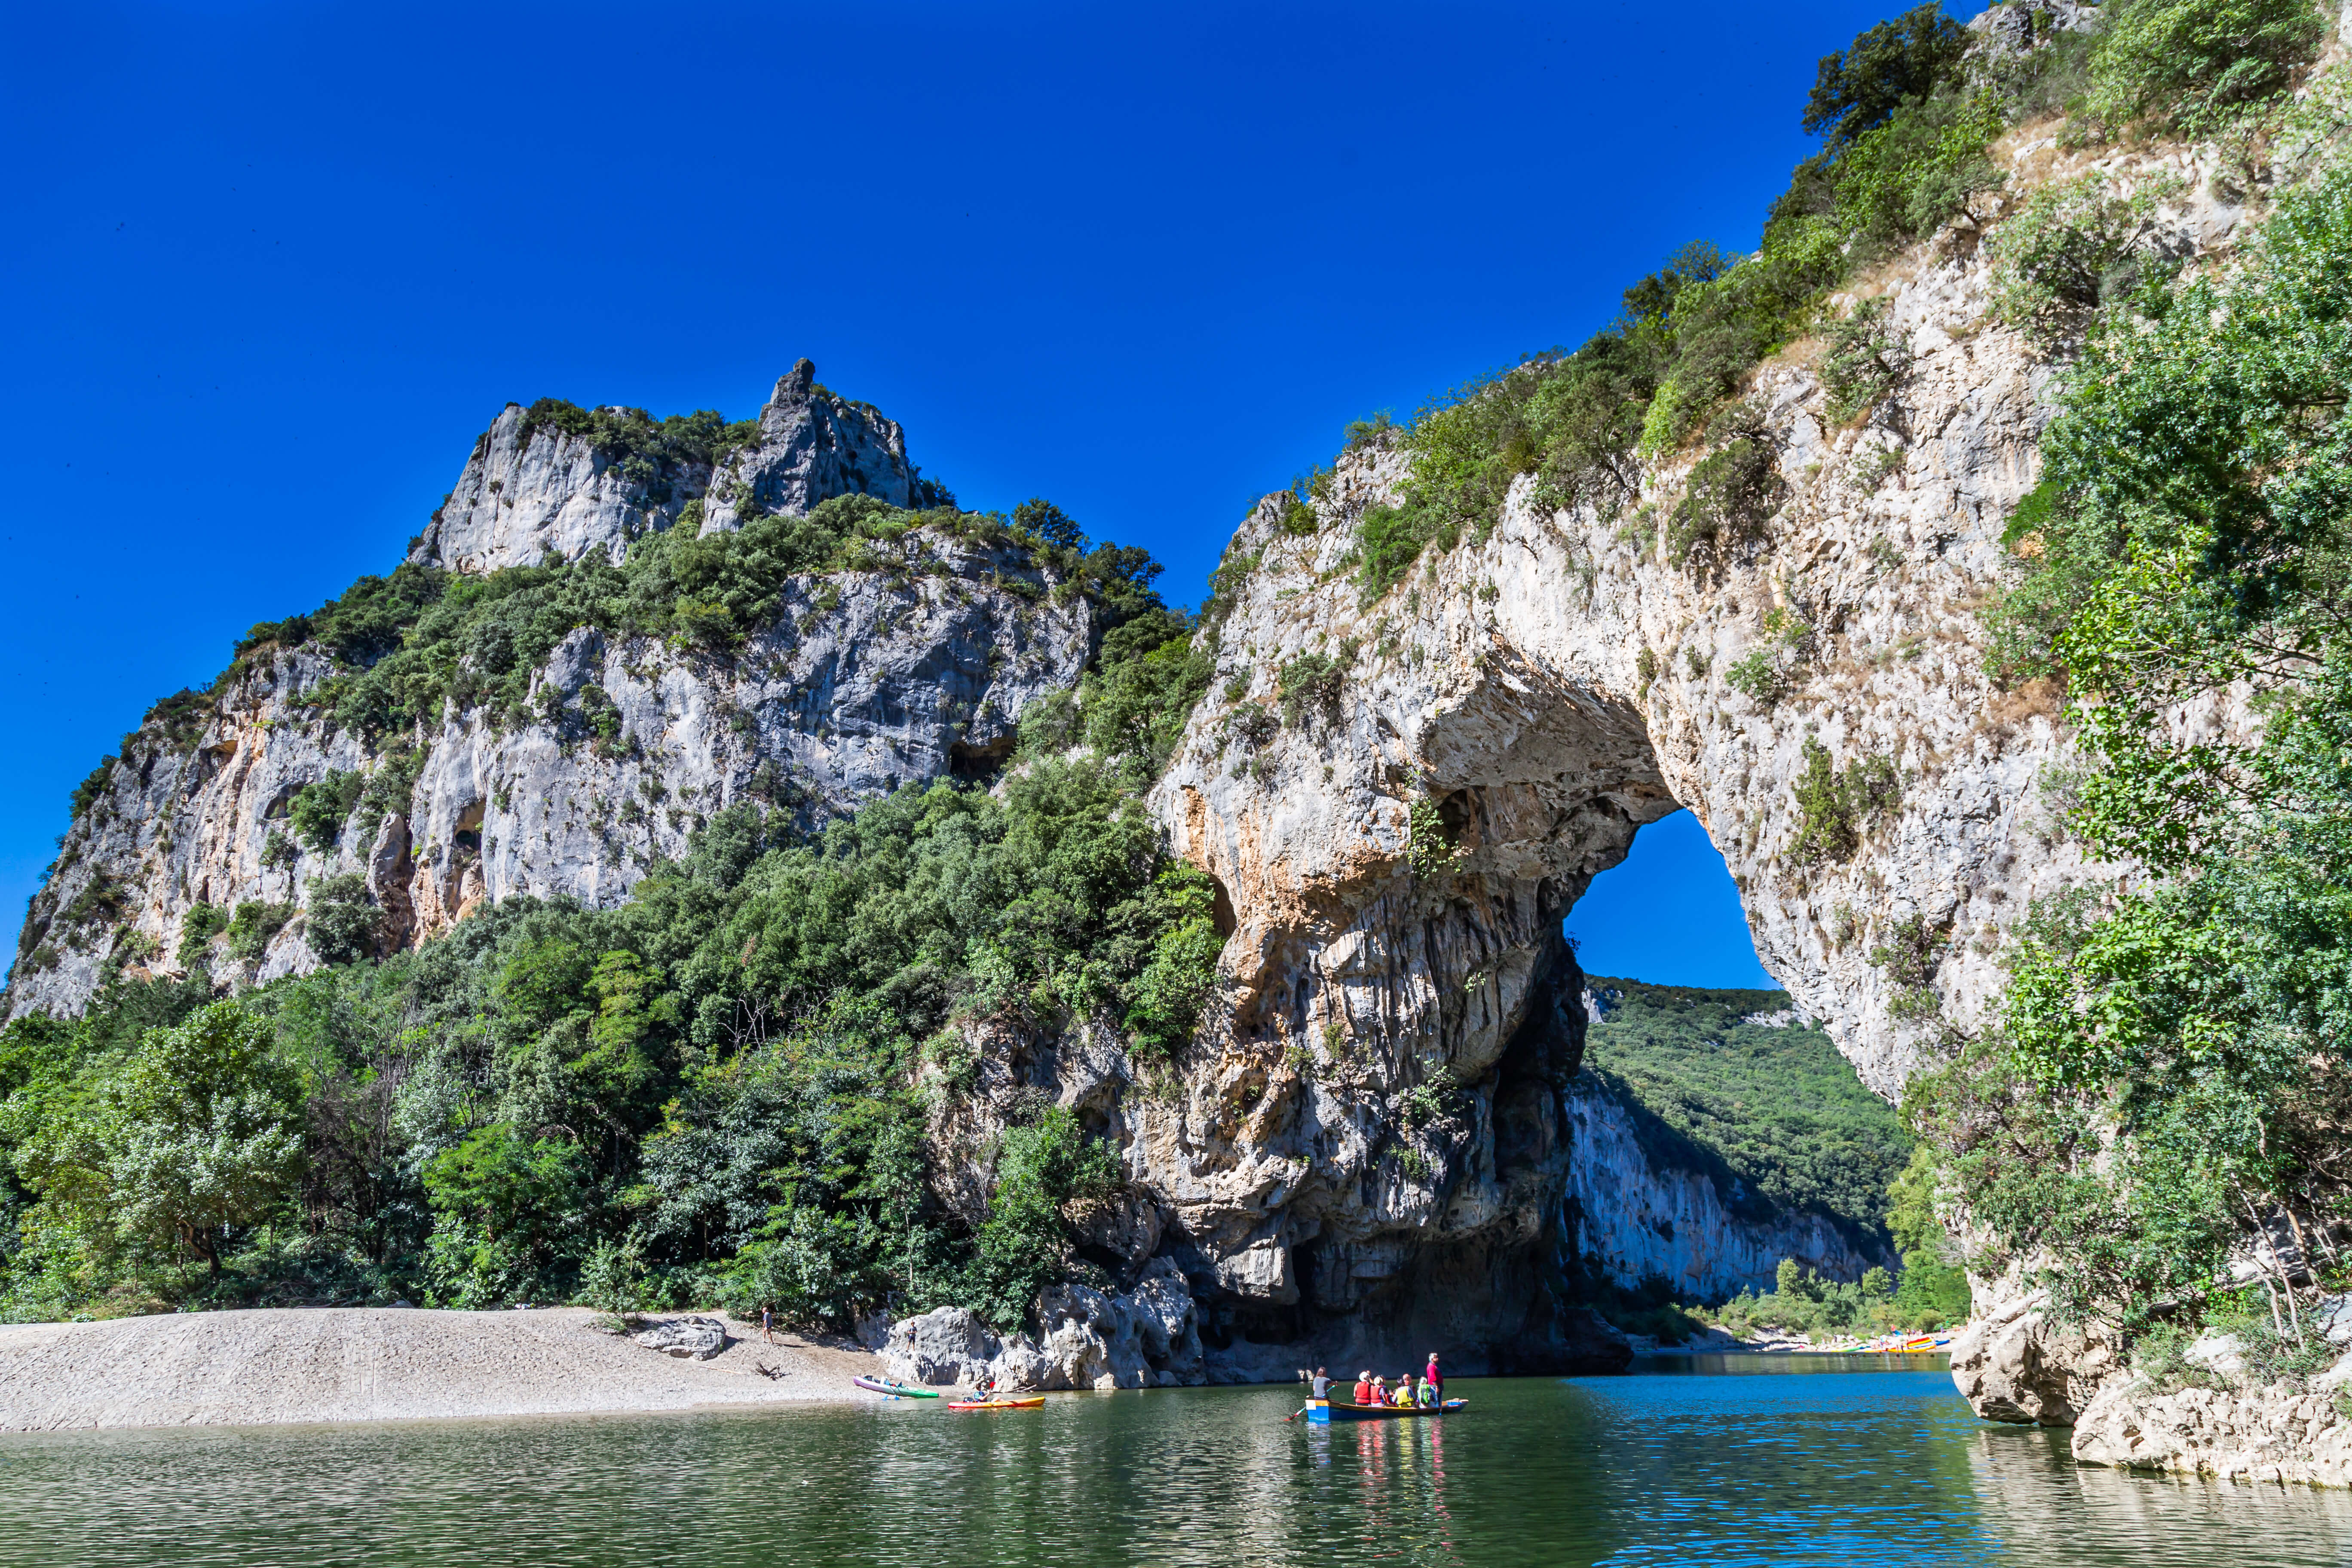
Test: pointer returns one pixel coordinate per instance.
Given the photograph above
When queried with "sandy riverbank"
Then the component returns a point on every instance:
(285, 1366)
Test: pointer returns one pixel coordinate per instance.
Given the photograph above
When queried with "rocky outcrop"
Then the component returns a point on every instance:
(2268, 1432)
(1143, 1338)
(695, 1339)
(813, 445)
(2013, 1364)
(1634, 1217)
(531, 490)
(2226, 1424)
(1397, 859)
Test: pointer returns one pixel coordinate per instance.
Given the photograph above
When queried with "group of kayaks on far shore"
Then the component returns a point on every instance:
(1912, 1344)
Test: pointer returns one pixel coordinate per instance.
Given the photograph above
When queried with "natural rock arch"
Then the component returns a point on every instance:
(1542, 693)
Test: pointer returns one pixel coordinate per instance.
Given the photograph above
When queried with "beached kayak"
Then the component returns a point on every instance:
(1032, 1403)
(895, 1390)
(1322, 1412)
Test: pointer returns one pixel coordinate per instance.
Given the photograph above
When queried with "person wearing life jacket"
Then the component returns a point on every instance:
(1405, 1396)
(1363, 1389)
(1430, 1398)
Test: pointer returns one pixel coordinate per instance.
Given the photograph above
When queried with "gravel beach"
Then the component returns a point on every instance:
(279, 1366)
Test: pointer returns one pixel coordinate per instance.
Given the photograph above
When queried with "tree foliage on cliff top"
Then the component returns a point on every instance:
(1908, 114)
(411, 641)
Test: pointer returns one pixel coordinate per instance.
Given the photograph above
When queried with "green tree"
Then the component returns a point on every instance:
(1040, 1169)
(192, 1138)
(1859, 88)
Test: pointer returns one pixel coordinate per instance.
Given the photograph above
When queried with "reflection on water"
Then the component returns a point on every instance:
(1690, 1461)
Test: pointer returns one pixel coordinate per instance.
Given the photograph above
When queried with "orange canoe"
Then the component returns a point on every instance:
(1029, 1404)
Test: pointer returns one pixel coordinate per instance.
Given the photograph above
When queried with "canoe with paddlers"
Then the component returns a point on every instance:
(1031, 1403)
(1323, 1411)
(895, 1390)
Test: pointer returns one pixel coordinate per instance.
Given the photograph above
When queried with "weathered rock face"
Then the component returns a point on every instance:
(527, 493)
(2228, 1425)
(865, 682)
(1142, 1338)
(1639, 1218)
(1538, 695)
(813, 445)
(2013, 1363)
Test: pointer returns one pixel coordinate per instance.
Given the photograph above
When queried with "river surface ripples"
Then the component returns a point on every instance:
(1804, 1459)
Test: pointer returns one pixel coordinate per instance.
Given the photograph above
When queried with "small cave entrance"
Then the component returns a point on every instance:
(1227, 921)
(979, 761)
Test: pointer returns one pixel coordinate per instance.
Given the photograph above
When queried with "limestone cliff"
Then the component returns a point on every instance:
(1373, 1098)
(1635, 1216)
(861, 681)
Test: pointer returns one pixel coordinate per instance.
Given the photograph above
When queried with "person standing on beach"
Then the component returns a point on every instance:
(768, 1324)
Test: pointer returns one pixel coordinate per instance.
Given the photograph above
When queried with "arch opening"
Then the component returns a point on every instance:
(1668, 913)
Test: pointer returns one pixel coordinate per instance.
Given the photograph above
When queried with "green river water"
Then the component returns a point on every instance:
(1696, 1461)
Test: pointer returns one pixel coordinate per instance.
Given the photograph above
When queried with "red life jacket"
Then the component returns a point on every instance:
(1363, 1394)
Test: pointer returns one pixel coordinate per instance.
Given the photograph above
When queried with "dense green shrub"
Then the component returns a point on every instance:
(1040, 1169)
(166, 1152)
(2194, 65)
(1312, 684)
(278, 851)
(253, 925)
(1864, 358)
(1834, 807)
(202, 923)
(1389, 539)
(1147, 676)
(341, 921)
(1772, 667)
(2074, 246)
(319, 810)
(1732, 493)
(86, 794)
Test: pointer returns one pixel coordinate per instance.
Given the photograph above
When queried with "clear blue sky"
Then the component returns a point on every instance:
(1668, 912)
(269, 268)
